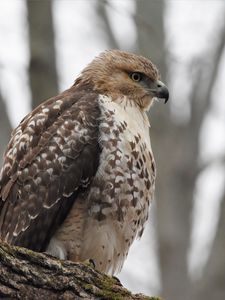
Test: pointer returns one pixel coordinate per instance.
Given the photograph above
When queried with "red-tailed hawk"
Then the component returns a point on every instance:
(78, 173)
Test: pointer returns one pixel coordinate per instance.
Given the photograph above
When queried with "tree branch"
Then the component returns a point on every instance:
(101, 10)
(203, 87)
(215, 160)
(29, 275)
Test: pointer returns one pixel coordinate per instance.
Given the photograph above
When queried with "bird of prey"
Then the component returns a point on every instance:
(78, 174)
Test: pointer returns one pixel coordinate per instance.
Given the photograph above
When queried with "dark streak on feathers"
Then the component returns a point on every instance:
(61, 148)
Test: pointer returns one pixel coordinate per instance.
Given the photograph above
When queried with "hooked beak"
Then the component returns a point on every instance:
(159, 90)
(162, 91)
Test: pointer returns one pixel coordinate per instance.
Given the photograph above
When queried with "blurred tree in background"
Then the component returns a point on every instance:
(42, 68)
(176, 145)
(5, 127)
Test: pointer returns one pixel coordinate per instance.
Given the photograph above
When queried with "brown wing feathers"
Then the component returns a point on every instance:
(52, 154)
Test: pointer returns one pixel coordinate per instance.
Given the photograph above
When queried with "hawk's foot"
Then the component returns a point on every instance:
(90, 262)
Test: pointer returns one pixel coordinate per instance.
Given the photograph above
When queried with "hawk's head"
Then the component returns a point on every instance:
(118, 74)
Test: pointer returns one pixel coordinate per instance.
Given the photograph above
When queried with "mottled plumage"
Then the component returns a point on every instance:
(79, 173)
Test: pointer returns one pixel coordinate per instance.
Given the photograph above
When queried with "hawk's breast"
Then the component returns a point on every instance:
(113, 210)
(123, 187)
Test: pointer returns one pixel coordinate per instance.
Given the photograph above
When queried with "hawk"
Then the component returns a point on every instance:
(78, 174)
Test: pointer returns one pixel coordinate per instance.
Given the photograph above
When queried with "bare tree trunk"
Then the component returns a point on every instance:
(29, 275)
(174, 184)
(42, 69)
(211, 285)
(5, 128)
(176, 150)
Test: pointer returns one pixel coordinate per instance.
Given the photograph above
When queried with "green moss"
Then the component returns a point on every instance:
(109, 289)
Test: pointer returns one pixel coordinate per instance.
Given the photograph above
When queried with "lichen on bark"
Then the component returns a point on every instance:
(25, 274)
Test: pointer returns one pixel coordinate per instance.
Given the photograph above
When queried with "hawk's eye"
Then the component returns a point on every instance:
(136, 76)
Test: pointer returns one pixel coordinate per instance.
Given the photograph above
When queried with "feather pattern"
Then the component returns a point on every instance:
(79, 175)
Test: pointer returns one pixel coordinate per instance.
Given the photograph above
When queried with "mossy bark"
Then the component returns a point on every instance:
(25, 274)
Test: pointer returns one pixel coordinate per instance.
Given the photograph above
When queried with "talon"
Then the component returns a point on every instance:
(90, 262)
(117, 279)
